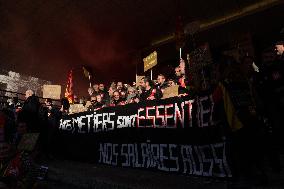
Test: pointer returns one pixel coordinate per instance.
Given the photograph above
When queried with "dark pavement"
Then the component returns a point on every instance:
(72, 175)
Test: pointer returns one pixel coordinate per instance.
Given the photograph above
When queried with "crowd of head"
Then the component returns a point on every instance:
(32, 116)
(18, 118)
(119, 93)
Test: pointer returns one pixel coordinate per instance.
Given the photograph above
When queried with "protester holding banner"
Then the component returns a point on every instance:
(92, 107)
(102, 87)
(184, 71)
(107, 99)
(181, 79)
(132, 96)
(96, 89)
(116, 100)
(171, 82)
(96, 103)
(149, 91)
(120, 87)
(162, 84)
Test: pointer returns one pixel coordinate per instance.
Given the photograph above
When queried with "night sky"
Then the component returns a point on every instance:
(46, 39)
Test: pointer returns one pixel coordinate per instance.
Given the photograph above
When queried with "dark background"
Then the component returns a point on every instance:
(46, 39)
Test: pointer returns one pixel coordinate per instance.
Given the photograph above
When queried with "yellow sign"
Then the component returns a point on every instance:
(52, 91)
(77, 108)
(138, 79)
(150, 61)
(170, 92)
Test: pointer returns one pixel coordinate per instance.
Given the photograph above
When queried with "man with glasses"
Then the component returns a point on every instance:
(93, 103)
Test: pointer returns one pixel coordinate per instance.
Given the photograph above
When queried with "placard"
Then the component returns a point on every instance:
(138, 79)
(52, 91)
(171, 91)
(77, 108)
(150, 61)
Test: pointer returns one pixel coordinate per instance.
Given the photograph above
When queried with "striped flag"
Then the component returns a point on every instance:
(87, 73)
(69, 88)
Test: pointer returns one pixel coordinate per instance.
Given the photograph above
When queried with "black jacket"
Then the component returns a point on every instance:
(152, 91)
(30, 113)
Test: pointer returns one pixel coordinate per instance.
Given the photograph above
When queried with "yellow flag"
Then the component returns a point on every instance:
(86, 72)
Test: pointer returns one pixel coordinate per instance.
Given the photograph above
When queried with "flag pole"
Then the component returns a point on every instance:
(136, 72)
(179, 53)
(151, 74)
(90, 80)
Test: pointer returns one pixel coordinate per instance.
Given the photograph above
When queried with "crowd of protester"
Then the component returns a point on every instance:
(20, 168)
(260, 103)
(119, 93)
(252, 95)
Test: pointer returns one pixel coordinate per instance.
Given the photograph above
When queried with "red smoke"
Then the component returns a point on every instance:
(46, 43)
